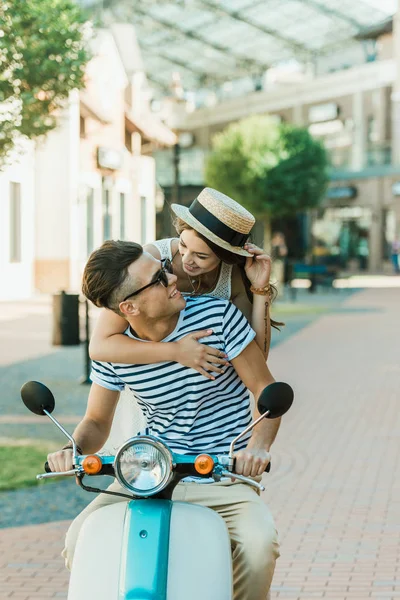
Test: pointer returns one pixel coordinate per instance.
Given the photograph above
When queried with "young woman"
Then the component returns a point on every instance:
(212, 256)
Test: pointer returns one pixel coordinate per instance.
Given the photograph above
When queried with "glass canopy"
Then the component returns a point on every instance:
(212, 43)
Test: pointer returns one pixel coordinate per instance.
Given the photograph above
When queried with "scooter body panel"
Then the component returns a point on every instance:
(97, 559)
(122, 550)
(200, 558)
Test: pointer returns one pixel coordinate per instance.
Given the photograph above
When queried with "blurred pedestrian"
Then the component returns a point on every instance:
(395, 252)
(278, 254)
(363, 250)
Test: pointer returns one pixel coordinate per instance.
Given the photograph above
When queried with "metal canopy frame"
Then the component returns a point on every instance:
(193, 36)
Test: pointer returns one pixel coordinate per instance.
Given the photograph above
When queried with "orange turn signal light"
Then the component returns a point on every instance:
(92, 464)
(204, 464)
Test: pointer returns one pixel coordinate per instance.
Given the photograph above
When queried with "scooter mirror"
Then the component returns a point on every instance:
(36, 396)
(276, 398)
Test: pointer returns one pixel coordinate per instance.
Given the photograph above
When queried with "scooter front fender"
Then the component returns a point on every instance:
(122, 552)
(152, 550)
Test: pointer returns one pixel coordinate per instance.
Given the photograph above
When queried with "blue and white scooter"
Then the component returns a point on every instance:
(150, 547)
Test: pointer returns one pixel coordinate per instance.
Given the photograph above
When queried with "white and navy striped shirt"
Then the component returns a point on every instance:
(189, 412)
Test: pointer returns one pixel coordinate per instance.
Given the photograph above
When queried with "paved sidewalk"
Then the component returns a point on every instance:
(335, 483)
(30, 564)
(335, 487)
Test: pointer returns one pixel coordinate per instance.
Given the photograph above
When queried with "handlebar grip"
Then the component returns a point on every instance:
(47, 467)
(267, 470)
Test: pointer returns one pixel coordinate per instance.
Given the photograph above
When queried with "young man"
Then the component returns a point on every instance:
(190, 413)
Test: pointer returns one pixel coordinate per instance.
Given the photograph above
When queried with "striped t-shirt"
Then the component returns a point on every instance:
(190, 413)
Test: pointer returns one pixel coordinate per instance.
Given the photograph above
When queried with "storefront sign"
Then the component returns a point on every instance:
(323, 112)
(396, 188)
(341, 192)
(108, 158)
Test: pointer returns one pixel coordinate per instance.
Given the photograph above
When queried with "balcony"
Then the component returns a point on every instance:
(191, 167)
(377, 154)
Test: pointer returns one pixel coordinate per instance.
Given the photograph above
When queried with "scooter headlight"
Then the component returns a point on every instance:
(143, 465)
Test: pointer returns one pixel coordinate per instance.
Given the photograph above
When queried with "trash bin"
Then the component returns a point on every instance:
(66, 319)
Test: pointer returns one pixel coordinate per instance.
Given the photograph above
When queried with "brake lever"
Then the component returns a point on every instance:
(257, 485)
(62, 474)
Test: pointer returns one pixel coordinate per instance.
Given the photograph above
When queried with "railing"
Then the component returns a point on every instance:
(191, 166)
(192, 160)
(376, 154)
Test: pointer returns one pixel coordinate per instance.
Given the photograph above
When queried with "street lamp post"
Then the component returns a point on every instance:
(176, 196)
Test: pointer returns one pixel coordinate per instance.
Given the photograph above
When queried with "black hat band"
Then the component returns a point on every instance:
(226, 233)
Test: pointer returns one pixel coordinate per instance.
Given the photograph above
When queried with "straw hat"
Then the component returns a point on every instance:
(219, 218)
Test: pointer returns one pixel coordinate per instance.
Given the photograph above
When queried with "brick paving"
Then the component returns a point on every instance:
(335, 485)
(30, 564)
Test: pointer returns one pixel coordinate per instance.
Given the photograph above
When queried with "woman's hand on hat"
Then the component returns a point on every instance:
(258, 267)
(200, 357)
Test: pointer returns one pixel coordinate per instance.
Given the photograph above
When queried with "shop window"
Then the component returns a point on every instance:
(89, 221)
(143, 216)
(340, 236)
(122, 215)
(107, 219)
(128, 140)
(82, 126)
(15, 222)
(372, 129)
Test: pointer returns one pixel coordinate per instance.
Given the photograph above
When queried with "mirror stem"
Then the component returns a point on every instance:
(248, 428)
(65, 432)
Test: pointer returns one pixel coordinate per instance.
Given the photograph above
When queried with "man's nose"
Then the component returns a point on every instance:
(172, 278)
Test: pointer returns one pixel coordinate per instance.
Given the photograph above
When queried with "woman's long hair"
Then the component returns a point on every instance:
(230, 258)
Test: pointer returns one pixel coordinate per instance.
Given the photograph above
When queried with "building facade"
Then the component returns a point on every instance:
(355, 111)
(17, 231)
(88, 181)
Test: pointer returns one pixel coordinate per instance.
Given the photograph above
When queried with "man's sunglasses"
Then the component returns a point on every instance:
(160, 277)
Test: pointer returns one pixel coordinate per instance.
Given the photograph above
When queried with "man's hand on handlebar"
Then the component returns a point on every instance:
(251, 462)
(61, 461)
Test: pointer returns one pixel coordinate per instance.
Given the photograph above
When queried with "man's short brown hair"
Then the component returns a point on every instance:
(106, 271)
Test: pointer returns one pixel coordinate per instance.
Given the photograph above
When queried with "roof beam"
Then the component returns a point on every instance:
(333, 12)
(162, 85)
(239, 16)
(193, 35)
(200, 73)
(243, 67)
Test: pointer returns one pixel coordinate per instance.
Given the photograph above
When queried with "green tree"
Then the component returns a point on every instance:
(271, 169)
(43, 54)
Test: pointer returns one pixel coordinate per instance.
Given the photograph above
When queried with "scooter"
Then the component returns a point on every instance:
(150, 547)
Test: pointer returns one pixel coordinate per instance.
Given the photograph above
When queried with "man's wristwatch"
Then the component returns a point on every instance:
(70, 447)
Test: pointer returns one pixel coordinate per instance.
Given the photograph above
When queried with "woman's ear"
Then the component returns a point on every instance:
(129, 309)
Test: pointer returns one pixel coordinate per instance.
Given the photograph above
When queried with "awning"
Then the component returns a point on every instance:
(150, 127)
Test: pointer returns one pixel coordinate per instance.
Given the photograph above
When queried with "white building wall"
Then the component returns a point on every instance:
(57, 176)
(147, 199)
(17, 277)
(365, 77)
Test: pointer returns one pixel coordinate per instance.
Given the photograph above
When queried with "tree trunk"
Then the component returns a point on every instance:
(267, 233)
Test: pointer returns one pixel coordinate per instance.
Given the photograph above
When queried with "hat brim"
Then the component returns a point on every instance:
(182, 212)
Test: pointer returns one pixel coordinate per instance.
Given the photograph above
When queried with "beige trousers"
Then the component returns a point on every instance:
(250, 524)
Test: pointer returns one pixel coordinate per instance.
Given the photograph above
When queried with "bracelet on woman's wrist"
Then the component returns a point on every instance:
(262, 291)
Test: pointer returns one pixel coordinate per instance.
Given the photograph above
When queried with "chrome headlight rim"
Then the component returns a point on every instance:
(165, 451)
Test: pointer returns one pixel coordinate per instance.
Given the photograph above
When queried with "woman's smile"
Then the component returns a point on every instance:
(190, 268)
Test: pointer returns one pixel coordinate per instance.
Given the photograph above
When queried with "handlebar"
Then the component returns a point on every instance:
(266, 470)
(49, 473)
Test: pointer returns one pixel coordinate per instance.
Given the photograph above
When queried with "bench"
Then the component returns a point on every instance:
(321, 274)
